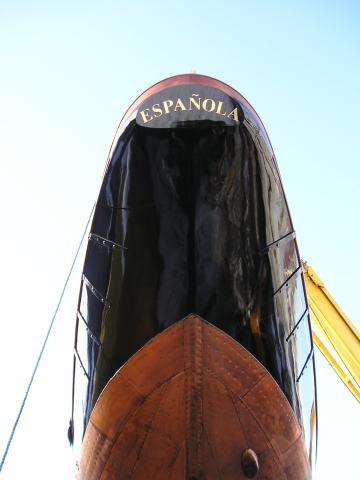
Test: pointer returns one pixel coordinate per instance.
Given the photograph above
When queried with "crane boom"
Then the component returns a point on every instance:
(333, 333)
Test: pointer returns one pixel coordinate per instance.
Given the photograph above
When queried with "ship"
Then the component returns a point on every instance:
(193, 352)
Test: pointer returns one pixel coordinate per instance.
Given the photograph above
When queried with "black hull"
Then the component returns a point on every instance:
(192, 218)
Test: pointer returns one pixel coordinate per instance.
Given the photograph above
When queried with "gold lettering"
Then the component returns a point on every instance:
(157, 110)
(219, 107)
(192, 101)
(146, 115)
(212, 105)
(179, 105)
(208, 105)
(234, 115)
(167, 104)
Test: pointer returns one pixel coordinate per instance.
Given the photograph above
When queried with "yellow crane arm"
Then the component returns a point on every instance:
(333, 333)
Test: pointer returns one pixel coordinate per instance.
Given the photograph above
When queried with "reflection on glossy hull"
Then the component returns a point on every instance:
(192, 218)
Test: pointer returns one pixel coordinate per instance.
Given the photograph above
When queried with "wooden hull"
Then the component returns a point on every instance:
(193, 404)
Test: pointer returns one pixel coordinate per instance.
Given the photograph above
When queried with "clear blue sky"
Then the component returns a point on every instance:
(68, 71)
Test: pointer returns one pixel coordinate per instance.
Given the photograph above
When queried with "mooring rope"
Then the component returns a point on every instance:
(44, 344)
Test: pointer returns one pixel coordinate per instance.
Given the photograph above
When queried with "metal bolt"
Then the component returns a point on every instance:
(249, 463)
